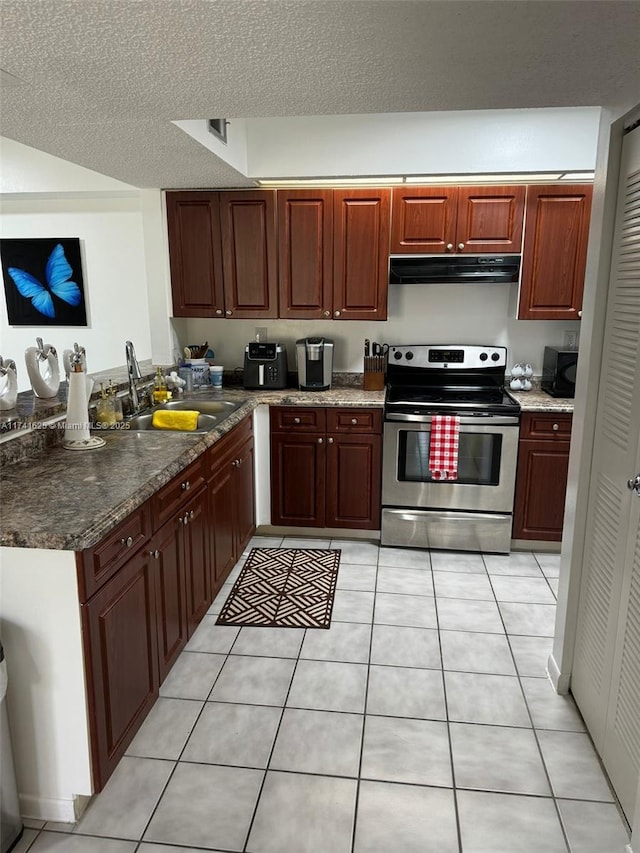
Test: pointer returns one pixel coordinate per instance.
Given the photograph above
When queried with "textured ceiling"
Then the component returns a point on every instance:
(104, 79)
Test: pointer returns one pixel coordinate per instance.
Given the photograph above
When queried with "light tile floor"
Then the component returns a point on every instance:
(422, 721)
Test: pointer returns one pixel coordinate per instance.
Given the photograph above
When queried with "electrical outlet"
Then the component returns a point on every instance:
(570, 339)
(261, 334)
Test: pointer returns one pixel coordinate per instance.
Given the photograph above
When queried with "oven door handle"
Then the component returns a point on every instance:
(468, 420)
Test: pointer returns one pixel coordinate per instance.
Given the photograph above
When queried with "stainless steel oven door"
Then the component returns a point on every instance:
(487, 458)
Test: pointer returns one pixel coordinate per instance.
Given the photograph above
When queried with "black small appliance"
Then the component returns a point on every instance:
(265, 366)
(559, 372)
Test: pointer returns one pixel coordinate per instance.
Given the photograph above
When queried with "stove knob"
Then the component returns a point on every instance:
(483, 356)
(495, 356)
(409, 355)
(397, 355)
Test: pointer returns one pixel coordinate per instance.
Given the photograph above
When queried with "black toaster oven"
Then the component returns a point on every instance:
(559, 372)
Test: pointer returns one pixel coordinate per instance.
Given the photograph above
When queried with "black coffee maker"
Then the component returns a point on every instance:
(315, 363)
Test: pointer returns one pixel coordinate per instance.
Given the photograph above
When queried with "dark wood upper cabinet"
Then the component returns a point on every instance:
(555, 252)
(248, 227)
(423, 220)
(305, 253)
(193, 220)
(434, 220)
(490, 219)
(361, 220)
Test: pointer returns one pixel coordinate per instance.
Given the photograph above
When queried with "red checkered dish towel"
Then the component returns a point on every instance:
(443, 447)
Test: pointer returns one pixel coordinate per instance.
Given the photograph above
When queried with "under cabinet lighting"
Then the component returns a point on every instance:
(513, 178)
(331, 182)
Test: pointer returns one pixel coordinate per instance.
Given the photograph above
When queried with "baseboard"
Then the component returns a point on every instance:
(538, 545)
(560, 682)
(42, 808)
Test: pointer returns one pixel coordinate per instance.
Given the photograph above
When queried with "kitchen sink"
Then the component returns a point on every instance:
(211, 413)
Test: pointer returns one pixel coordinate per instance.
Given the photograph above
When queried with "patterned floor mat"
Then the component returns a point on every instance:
(284, 588)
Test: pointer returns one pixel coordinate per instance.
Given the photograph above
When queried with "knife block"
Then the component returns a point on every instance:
(374, 370)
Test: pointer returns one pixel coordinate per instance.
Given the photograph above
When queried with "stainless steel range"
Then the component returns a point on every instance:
(472, 512)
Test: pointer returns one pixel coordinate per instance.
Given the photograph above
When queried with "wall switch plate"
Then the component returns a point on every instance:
(570, 339)
(261, 334)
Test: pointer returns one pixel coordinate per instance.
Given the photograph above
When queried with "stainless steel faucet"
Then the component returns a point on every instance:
(133, 371)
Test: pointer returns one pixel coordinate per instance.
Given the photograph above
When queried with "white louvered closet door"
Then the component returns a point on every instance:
(606, 672)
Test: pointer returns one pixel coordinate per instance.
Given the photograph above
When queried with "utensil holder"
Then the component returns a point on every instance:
(374, 371)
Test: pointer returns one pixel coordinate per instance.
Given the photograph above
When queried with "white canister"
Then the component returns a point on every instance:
(199, 371)
(217, 371)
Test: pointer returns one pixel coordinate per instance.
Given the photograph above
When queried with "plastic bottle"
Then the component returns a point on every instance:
(160, 393)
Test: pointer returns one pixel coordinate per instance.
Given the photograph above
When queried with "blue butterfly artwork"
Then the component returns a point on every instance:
(55, 298)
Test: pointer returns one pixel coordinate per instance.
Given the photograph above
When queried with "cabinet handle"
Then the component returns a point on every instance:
(218, 311)
(580, 313)
(236, 463)
(192, 514)
(320, 440)
(330, 440)
(128, 541)
(296, 420)
(354, 420)
(449, 247)
(228, 312)
(326, 313)
(183, 519)
(336, 313)
(155, 554)
(556, 427)
(185, 486)
(461, 245)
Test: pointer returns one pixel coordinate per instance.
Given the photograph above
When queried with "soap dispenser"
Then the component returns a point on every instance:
(105, 410)
(160, 392)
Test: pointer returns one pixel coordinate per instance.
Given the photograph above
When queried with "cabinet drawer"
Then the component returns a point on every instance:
(171, 497)
(354, 420)
(97, 565)
(229, 446)
(298, 418)
(546, 425)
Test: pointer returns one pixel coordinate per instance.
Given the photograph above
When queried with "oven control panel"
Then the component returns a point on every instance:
(439, 356)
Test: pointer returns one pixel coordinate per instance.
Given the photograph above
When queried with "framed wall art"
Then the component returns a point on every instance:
(43, 282)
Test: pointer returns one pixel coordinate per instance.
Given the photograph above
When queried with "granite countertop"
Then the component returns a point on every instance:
(538, 400)
(68, 500)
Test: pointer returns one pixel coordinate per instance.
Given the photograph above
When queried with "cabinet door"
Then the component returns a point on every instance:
(490, 219)
(167, 551)
(305, 253)
(195, 254)
(361, 254)
(423, 220)
(244, 492)
(554, 252)
(119, 626)
(298, 479)
(354, 465)
(196, 560)
(248, 226)
(222, 523)
(541, 485)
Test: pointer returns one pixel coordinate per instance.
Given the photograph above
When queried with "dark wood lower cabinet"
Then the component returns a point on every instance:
(121, 654)
(231, 502)
(158, 584)
(327, 478)
(541, 480)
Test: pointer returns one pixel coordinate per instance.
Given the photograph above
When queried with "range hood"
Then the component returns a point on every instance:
(454, 269)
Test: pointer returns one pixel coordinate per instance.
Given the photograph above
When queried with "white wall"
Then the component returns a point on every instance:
(41, 635)
(59, 199)
(480, 314)
(535, 140)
